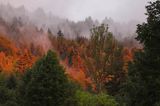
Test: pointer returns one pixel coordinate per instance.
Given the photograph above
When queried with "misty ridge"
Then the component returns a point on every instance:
(71, 29)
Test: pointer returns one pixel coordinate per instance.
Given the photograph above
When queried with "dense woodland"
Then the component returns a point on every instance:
(39, 67)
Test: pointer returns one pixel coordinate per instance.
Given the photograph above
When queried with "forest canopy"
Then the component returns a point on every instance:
(39, 67)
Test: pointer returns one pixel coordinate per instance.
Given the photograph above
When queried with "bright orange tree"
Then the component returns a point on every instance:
(25, 60)
(14, 59)
(7, 54)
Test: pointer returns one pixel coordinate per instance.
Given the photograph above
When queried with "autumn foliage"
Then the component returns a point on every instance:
(75, 55)
(84, 59)
(13, 59)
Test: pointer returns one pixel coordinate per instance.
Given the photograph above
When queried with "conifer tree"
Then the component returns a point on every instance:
(45, 84)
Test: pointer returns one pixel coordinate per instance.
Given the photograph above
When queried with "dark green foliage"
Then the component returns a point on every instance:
(8, 86)
(71, 100)
(11, 82)
(116, 69)
(143, 85)
(45, 84)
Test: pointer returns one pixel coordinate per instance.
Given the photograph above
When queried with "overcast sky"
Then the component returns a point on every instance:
(119, 10)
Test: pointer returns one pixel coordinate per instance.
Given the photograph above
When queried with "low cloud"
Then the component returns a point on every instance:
(122, 10)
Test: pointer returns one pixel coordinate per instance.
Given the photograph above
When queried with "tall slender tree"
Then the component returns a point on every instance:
(103, 54)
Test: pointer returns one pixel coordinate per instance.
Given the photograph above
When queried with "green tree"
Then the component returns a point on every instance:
(8, 95)
(87, 99)
(45, 84)
(143, 84)
(11, 82)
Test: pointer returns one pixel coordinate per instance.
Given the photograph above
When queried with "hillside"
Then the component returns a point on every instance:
(23, 45)
(46, 60)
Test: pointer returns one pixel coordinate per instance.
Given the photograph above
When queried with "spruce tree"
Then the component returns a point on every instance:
(45, 84)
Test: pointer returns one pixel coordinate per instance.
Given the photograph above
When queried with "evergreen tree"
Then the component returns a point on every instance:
(143, 85)
(8, 86)
(11, 82)
(60, 34)
(45, 84)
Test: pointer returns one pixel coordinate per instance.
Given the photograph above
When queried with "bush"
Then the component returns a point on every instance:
(88, 99)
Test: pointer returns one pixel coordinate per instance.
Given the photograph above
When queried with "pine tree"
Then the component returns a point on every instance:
(60, 34)
(46, 83)
(143, 85)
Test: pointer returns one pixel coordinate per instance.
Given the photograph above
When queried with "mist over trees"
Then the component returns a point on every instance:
(70, 28)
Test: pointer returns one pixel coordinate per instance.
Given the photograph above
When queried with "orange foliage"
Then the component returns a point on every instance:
(76, 70)
(19, 59)
(7, 63)
(127, 57)
(7, 55)
(7, 46)
(79, 76)
(25, 60)
(14, 59)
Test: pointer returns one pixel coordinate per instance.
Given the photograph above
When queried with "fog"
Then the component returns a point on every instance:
(119, 10)
(76, 17)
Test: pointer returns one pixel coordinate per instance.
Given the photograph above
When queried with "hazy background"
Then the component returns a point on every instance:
(119, 10)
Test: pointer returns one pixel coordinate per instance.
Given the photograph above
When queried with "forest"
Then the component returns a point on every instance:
(44, 65)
